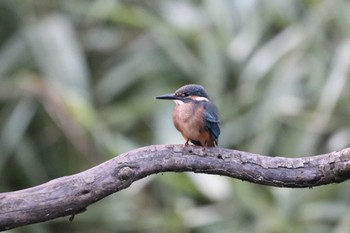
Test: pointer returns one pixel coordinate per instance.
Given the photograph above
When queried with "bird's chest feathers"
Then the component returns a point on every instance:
(188, 119)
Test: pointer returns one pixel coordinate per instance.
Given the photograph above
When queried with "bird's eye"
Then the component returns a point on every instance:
(186, 94)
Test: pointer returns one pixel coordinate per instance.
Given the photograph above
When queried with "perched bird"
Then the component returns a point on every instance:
(195, 116)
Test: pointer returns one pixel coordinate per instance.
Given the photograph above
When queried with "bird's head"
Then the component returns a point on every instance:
(186, 94)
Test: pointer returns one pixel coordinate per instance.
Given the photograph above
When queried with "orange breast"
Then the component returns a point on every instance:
(188, 119)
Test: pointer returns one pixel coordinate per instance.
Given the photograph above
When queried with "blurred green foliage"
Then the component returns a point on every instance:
(77, 86)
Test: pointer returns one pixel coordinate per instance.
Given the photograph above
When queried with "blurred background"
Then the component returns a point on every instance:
(77, 86)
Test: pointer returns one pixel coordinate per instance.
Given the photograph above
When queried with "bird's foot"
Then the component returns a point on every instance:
(205, 147)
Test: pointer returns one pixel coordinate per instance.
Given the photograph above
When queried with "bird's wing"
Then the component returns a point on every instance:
(212, 120)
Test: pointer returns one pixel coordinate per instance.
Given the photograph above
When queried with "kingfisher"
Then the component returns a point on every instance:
(194, 115)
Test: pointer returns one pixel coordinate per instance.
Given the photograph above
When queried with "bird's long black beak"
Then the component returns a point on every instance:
(171, 96)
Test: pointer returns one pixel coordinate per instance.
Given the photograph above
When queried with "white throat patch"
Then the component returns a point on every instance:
(178, 102)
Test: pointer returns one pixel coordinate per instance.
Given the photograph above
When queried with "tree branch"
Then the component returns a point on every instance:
(71, 195)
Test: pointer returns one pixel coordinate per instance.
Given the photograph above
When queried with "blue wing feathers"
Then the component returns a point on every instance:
(212, 120)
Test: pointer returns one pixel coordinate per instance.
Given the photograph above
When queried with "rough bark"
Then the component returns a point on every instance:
(70, 195)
